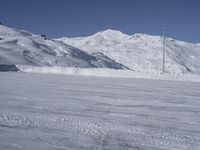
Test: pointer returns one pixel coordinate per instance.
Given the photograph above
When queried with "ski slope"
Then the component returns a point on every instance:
(141, 52)
(43, 111)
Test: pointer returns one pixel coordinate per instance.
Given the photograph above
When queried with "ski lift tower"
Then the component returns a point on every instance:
(164, 44)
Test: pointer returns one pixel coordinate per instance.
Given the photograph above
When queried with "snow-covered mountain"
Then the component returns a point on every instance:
(20, 47)
(106, 49)
(141, 52)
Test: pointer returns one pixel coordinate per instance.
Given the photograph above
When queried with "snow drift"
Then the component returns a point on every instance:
(107, 72)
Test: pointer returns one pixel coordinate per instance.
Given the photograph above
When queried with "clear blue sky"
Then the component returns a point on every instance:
(71, 18)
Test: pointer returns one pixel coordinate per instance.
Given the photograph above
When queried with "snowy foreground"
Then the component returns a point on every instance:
(44, 111)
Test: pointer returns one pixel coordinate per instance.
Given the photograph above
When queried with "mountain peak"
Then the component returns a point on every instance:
(110, 35)
(110, 31)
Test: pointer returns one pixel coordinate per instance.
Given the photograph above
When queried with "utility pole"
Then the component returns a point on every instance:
(164, 42)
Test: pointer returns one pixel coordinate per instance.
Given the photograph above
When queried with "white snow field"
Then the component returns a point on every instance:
(62, 112)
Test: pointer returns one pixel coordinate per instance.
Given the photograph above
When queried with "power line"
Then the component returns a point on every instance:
(164, 43)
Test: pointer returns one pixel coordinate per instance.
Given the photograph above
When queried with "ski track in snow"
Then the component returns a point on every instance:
(42, 111)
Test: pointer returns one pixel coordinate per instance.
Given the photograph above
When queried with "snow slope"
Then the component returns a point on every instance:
(55, 112)
(141, 52)
(24, 48)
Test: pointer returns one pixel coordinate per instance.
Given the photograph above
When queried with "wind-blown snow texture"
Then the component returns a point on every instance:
(19, 47)
(40, 111)
(141, 52)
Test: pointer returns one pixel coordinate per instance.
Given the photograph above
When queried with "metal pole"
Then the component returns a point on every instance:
(164, 42)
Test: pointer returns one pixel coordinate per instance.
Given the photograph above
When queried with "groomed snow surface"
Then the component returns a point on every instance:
(62, 112)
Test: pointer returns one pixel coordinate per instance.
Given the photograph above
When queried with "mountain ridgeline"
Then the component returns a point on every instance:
(18, 47)
(106, 49)
(141, 52)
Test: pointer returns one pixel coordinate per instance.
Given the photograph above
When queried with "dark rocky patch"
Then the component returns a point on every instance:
(10, 68)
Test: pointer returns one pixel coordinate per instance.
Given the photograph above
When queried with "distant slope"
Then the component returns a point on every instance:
(141, 52)
(20, 47)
